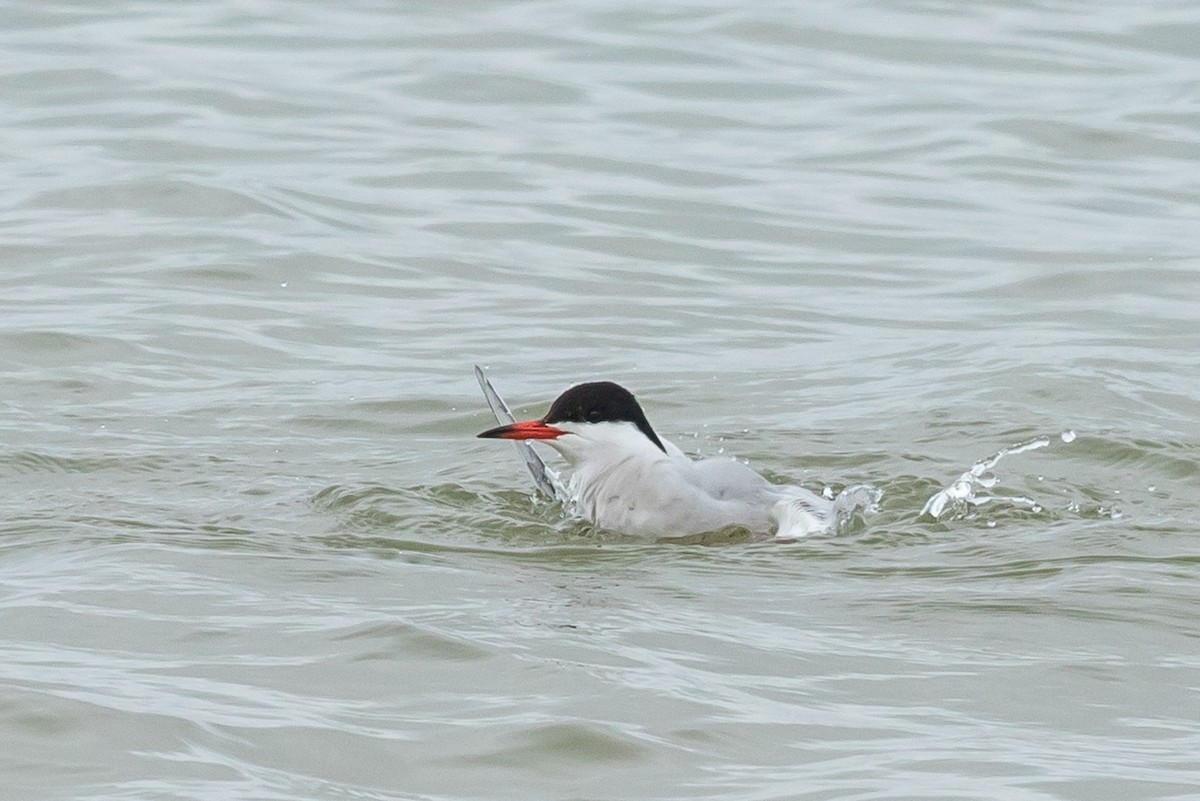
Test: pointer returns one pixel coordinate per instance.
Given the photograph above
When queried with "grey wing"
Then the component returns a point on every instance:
(729, 480)
(544, 478)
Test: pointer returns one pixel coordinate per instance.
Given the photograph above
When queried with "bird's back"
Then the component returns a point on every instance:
(791, 511)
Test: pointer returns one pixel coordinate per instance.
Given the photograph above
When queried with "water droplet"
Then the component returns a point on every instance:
(1036, 508)
(1151, 488)
(283, 284)
(991, 524)
(1068, 435)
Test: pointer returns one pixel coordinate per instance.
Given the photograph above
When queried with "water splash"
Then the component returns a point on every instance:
(801, 512)
(854, 503)
(970, 489)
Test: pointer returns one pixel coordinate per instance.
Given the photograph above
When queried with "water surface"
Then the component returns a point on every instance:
(250, 549)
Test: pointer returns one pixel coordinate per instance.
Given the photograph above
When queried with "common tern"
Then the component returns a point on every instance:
(629, 479)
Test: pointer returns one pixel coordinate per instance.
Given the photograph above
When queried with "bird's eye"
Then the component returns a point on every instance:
(594, 416)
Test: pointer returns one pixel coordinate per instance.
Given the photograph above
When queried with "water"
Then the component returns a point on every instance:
(250, 549)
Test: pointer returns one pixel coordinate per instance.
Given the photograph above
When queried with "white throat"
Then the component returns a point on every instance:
(593, 447)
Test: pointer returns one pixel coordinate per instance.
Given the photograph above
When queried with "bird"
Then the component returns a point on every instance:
(626, 478)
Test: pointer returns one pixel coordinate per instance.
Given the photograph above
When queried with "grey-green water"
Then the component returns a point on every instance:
(250, 549)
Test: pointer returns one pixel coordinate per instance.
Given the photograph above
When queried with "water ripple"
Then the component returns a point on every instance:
(250, 548)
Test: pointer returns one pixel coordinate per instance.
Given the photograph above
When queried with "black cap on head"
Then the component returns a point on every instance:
(600, 402)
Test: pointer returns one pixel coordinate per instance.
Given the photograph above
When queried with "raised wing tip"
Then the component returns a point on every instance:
(543, 478)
